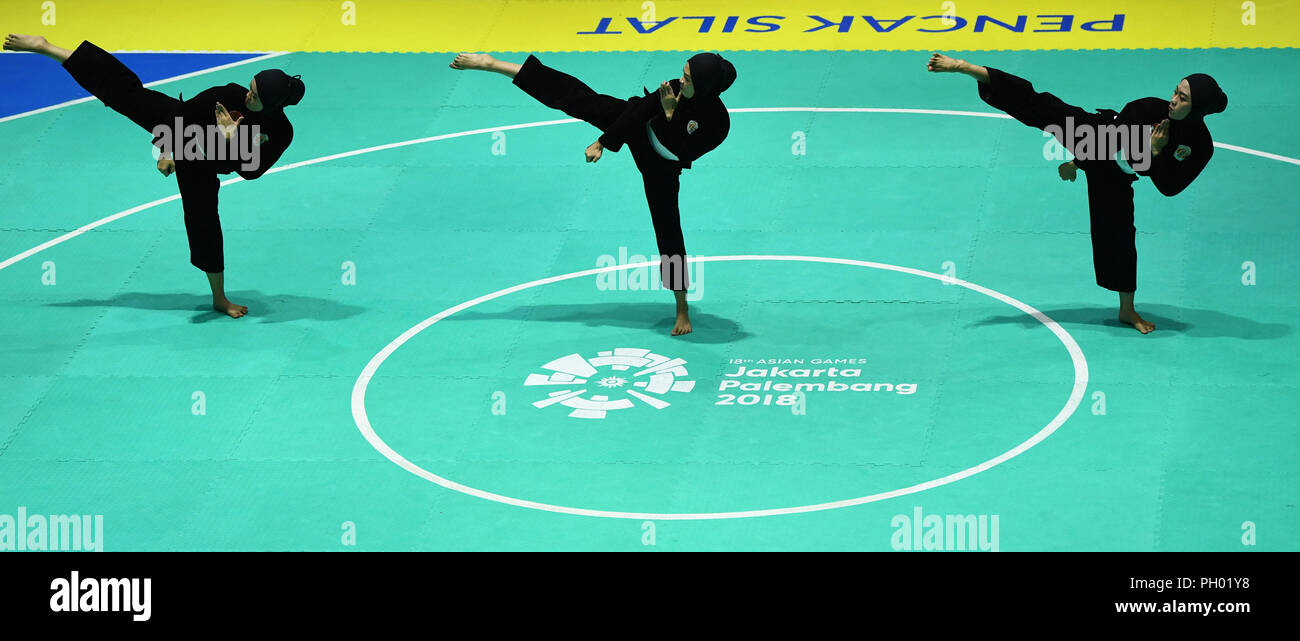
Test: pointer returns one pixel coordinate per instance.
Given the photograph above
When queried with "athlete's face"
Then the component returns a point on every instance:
(253, 101)
(688, 86)
(1181, 104)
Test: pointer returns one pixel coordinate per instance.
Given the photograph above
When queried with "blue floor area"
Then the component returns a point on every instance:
(33, 81)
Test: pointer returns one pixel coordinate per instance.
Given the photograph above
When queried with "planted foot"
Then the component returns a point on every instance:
(1131, 317)
(683, 324)
(226, 307)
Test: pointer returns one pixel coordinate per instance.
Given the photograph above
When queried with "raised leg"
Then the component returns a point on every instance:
(1041, 110)
(35, 44)
(940, 63)
(555, 89)
(485, 62)
(119, 88)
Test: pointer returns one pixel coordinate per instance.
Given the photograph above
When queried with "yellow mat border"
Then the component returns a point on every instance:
(669, 25)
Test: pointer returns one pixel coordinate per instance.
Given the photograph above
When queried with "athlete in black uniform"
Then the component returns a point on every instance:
(197, 138)
(665, 132)
(1172, 150)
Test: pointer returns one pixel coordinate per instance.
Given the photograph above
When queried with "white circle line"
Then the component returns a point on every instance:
(367, 430)
(542, 123)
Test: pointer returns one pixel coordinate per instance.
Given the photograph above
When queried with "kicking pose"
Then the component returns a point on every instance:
(665, 133)
(247, 143)
(1172, 155)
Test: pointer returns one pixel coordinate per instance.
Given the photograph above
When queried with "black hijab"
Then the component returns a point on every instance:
(277, 89)
(1207, 97)
(711, 74)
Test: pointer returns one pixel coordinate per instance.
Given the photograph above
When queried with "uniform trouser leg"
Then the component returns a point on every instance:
(662, 181)
(1114, 238)
(120, 89)
(1017, 98)
(105, 77)
(1110, 190)
(202, 224)
(559, 90)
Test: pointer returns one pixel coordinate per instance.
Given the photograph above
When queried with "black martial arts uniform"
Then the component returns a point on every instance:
(120, 89)
(697, 127)
(1110, 187)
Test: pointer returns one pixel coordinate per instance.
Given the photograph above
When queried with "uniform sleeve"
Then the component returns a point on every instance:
(199, 110)
(633, 120)
(203, 107)
(1143, 111)
(630, 122)
(686, 146)
(269, 151)
(1171, 176)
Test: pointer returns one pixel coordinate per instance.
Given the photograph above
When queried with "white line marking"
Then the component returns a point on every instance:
(867, 110)
(85, 228)
(368, 431)
(1254, 152)
(416, 141)
(543, 123)
(147, 84)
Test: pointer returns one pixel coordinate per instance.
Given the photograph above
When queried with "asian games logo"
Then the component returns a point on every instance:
(612, 377)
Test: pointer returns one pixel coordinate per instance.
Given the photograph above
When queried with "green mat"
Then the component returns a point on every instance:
(1180, 436)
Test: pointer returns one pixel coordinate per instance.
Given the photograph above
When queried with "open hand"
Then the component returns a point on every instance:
(668, 99)
(225, 122)
(594, 151)
(1160, 136)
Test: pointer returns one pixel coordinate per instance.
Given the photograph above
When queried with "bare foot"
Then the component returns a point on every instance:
(227, 307)
(940, 63)
(481, 61)
(19, 42)
(1131, 317)
(683, 325)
